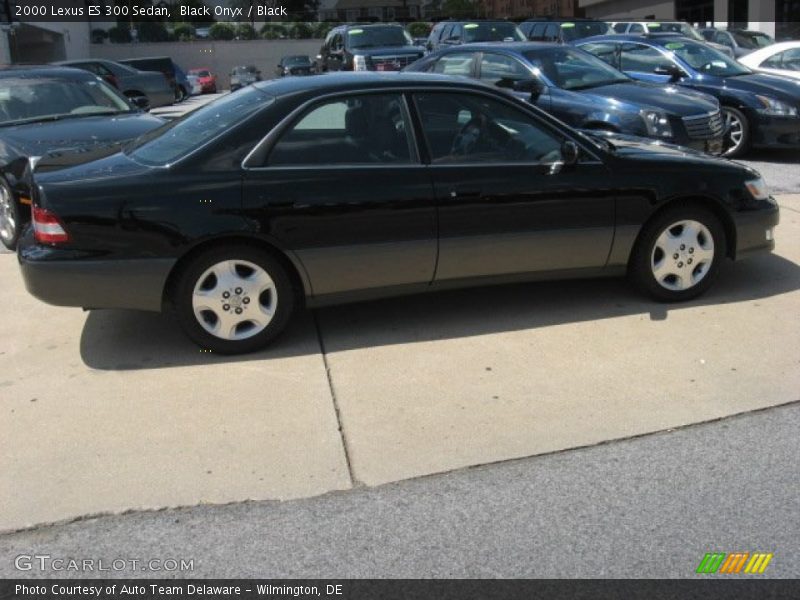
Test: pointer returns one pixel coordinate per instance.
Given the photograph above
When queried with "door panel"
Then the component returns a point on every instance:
(505, 206)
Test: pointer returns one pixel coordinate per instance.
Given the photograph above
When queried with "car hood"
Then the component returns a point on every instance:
(766, 84)
(638, 95)
(55, 138)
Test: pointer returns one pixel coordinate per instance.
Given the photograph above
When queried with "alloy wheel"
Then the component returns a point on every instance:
(682, 255)
(735, 132)
(234, 300)
(8, 223)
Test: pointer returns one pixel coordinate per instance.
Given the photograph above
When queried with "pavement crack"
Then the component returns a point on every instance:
(354, 482)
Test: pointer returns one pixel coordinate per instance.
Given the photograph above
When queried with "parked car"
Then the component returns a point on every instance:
(378, 47)
(453, 33)
(206, 79)
(782, 59)
(133, 83)
(297, 64)
(48, 115)
(244, 75)
(195, 89)
(351, 186)
(670, 27)
(585, 92)
(740, 41)
(562, 31)
(163, 64)
(759, 110)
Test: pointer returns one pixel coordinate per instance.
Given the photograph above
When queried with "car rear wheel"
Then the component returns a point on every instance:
(9, 217)
(737, 132)
(232, 300)
(678, 254)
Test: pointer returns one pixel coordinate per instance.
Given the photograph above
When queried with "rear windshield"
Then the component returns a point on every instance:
(581, 29)
(375, 37)
(752, 40)
(492, 32)
(175, 140)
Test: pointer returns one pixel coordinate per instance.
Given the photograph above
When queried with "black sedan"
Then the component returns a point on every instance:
(760, 110)
(585, 92)
(298, 64)
(326, 189)
(47, 113)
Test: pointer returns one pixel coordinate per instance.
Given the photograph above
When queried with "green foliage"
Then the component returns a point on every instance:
(221, 31)
(148, 31)
(322, 29)
(183, 32)
(245, 31)
(273, 31)
(120, 34)
(300, 31)
(419, 29)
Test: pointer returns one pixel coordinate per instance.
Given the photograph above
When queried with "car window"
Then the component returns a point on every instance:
(791, 59)
(706, 59)
(182, 136)
(469, 128)
(376, 36)
(446, 32)
(605, 51)
(497, 69)
(492, 32)
(526, 28)
(571, 69)
(773, 62)
(642, 59)
(636, 28)
(538, 30)
(583, 29)
(551, 32)
(752, 40)
(620, 27)
(457, 63)
(359, 129)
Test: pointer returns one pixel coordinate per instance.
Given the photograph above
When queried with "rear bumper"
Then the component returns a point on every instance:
(754, 229)
(65, 278)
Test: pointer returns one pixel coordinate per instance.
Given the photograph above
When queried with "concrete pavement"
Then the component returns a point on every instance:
(109, 410)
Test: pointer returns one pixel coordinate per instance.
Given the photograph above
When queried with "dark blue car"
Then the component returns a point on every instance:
(585, 92)
(760, 110)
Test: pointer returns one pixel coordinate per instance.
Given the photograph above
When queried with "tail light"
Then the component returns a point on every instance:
(47, 227)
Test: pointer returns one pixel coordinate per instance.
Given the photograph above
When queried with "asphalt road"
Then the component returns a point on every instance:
(646, 507)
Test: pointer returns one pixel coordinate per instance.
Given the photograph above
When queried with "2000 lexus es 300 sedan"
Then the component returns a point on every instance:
(325, 189)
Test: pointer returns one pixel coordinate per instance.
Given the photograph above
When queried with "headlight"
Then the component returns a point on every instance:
(359, 62)
(772, 106)
(657, 123)
(758, 188)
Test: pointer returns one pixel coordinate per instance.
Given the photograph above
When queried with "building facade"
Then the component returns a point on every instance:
(519, 9)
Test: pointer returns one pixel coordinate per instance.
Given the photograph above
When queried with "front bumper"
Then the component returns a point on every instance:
(776, 132)
(754, 229)
(71, 278)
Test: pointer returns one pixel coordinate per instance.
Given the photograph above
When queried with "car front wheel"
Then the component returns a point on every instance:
(737, 132)
(234, 300)
(9, 216)
(678, 254)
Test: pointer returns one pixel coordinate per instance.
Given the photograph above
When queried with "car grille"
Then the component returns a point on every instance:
(300, 70)
(392, 63)
(703, 127)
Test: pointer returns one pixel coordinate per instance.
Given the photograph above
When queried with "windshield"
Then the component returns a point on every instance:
(579, 30)
(492, 32)
(245, 70)
(683, 28)
(375, 37)
(201, 73)
(24, 100)
(706, 59)
(297, 60)
(571, 69)
(177, 139)
(752, 40)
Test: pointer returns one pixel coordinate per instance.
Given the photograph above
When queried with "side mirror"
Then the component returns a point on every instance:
(570, 153)
(140, 102)
(675, 72)
(534, 87)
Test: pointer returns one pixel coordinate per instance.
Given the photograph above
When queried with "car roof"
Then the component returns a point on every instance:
(343, 82)
(41, 71)
(653, 40)
(561, 20)
(506, 47)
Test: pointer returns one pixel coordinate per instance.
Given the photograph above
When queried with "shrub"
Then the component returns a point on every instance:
(148, 31)
(99, 36)
(245, 31)
(183, 32)
(221, 31)
(300, 31)
(419, 29)
(272, 31)
(120, 34)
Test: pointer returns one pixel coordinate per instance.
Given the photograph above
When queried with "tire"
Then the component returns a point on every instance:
(693, 234)
(10, 216)
(737, 132)
(257, 285)
(180, 94)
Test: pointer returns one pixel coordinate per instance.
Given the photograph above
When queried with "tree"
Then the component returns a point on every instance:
(183, 32)
(221, 31)
(300, 31)
(245, 31)
(148, 31)
(272, 31)
(419, 29)
(120, 34)
(99, 36)
(321, 29)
